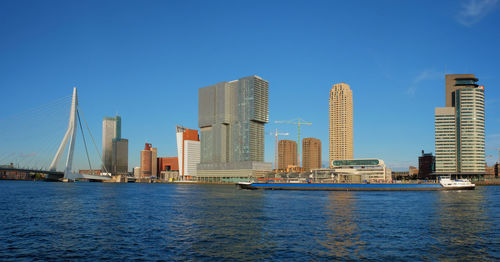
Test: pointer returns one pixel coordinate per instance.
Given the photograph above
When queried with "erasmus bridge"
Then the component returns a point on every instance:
(37, 142)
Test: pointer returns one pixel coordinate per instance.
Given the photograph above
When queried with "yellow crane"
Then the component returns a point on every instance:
(276, 134)
(297, 122)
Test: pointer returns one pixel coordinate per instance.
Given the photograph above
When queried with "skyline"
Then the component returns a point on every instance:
(112, 50)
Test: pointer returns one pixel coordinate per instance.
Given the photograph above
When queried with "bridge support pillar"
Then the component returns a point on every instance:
(71, 136)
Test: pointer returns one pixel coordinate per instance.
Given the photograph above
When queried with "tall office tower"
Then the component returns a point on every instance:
(311, 153)
(287, 154)
(154, 161)
(146, 161)
(232, 116)
(188, 152)
(341, 131)
(446, 140)
(459, 127)
(120, 157)
(111, 129)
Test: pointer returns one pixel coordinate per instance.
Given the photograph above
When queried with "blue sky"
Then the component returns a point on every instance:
(145, 60)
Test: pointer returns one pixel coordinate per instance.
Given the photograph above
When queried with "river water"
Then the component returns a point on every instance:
(100, 221)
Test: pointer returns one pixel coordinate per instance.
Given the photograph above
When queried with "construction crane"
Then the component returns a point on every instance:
(276, 134)
(297, 122)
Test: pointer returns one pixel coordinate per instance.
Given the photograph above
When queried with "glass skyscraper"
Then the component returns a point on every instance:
(459, 127)
(232, 116)
(111, 130)
(114, 147)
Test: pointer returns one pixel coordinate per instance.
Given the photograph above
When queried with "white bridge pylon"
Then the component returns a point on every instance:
(71, 136)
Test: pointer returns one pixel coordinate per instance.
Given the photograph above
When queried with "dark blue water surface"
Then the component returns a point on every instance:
(99, 221)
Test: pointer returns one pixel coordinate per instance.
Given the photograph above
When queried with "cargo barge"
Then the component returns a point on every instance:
(444, 184)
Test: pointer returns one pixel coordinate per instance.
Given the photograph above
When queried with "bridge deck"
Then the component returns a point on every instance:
(56, 174)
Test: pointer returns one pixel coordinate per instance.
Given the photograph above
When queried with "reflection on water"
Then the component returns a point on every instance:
(225, 224)
(461, 227)
(99, 221)
(342, 233)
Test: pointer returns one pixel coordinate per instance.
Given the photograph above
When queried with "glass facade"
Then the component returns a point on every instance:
(231, 118)
(356, 162)
(111, 129)
(445, 134)
(465, 82)
(459, 128)
(470, 114)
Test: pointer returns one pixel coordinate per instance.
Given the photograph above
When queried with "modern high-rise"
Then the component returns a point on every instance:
(120, 157)
(232, 116)
(459, 127)
(154, 162)
(111, 130)
(311, 153)
(341, 121)
(287, 154)
(188, 152)
(146, 161)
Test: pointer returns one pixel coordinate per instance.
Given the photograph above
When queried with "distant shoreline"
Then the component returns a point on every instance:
(489, 182)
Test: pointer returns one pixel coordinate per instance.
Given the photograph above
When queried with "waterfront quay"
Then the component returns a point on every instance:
(27, 175)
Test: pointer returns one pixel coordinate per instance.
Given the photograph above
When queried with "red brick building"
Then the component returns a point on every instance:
(168, 164)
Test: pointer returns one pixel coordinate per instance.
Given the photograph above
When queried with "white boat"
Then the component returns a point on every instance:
(458, 184)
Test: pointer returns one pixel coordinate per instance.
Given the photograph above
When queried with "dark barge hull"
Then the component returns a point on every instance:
(350, 187)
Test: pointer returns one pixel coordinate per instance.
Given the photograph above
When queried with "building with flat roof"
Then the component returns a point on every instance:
(188, 152)
(287, 154)
(413, 171)
(341, 123)
(356, 171)
(426, 166)
(146, 161)
(459, 128)
(154, 162)
(137, 172)
(111, 129)
(311, 153)
(120, 157)
(168, 164)
(231, 119)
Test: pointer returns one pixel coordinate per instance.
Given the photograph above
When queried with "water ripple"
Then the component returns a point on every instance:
(166, 222)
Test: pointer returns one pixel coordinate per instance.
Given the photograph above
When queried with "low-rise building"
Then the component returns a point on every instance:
(491, 171)
(413, 172)
(169, 175)
(401, 175)
(137, 172)
(168, 164)
(356, 171)
(426, 166)
(90, 171)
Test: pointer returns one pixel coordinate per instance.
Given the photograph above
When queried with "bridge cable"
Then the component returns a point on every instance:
(38, 109)
(37, 116)
(49, 145)
(84, 142)
(93, 141)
